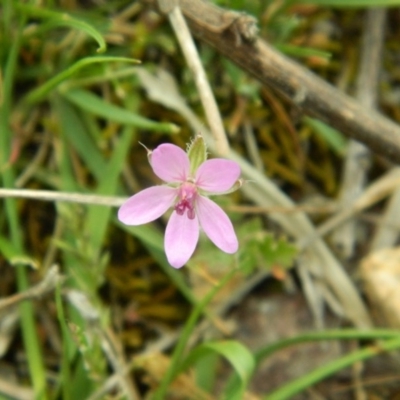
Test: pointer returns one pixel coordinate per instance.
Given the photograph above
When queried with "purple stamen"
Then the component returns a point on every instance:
(184, 205)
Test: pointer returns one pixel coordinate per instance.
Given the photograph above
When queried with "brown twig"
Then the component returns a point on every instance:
(303, 88)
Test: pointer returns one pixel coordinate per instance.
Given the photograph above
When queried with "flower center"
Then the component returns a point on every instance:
(187, 196)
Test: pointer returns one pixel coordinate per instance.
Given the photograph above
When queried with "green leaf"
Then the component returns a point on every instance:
(241, 82)
(41, 92)
(63, 19)
(74, 131)
(299, 51)
(278, 251)
(94, 104)
(289, 390)
(32, 344)
(234, 352)
(206, 371)
(14, 256)
(98, 217)
(260, 248)
(332, 137)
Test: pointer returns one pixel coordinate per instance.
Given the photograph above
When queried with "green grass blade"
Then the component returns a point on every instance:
(298, 385)
(299, 51)
(94, 104)
(63, 19)
(13, 256)
(332, 137)
(75, 133)
(334, 334)
(31, 342)
(42, 91)
(98, 217)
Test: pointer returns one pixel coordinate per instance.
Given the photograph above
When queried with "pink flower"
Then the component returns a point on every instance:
(188, 183)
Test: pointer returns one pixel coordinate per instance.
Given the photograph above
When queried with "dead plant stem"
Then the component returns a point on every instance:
(49, 195)
(193, 61)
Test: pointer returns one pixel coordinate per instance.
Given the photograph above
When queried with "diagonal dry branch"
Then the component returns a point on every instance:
(233, 36)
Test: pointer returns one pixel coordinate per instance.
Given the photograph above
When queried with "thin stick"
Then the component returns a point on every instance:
(49, 195)
(206, 95)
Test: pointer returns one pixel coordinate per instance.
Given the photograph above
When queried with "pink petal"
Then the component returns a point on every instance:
(217, 175)
(170, 163)
(181, 237)
(147, 205)
(216, 225)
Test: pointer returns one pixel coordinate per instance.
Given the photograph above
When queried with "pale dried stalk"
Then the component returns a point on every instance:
(52, 248)
(377, 191)
(387, 233)
(37, 160)
(49, 195)
(327, 208)
(252, 146)
(49, 282)
(206, 95)
(109, 345)
(15, 391)
(358, 158)
(115, 201)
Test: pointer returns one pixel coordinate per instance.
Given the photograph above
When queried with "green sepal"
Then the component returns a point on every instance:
(197, 153)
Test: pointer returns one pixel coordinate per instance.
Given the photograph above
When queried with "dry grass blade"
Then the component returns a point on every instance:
(48, 195)
(376, 192)
(357, 162)
(49, 282)
(15, 392)
(206, 95)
